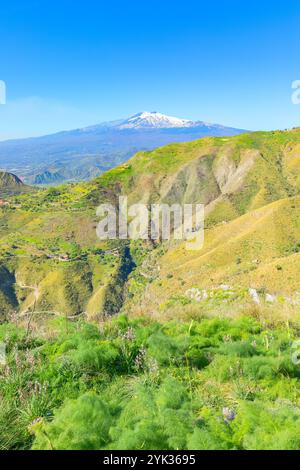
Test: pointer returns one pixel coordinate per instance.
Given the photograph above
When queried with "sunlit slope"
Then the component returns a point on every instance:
(259, 250)
(229, 175)
(52, 262)
(239, 248)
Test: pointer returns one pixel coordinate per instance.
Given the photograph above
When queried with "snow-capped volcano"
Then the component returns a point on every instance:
(84, 153)
(154, 120)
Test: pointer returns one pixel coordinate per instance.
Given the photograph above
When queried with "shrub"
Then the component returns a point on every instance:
(267, 426)
(80, 424)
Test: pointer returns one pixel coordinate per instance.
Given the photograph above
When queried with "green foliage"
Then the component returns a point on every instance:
(80, 424)
(155, 418)
(139, 384)
(267, 426)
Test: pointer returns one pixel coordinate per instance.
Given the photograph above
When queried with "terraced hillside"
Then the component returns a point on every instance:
(53, 263)
(51, 260)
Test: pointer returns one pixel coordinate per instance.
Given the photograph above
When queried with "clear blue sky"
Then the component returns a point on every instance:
(68, 63)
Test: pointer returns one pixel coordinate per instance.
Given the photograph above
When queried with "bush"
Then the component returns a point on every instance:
(80, 424)
(267, 426)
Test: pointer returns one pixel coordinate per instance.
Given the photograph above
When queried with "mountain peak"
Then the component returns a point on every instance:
(9, 180)
(153, 119)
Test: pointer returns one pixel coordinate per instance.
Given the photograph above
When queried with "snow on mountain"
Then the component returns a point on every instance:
(150, 120)
(154, 120)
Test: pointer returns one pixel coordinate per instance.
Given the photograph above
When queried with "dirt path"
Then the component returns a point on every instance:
(36, 295)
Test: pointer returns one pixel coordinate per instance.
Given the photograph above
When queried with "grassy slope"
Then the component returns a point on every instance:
(260, 250)
(38, 231)
(250, 185)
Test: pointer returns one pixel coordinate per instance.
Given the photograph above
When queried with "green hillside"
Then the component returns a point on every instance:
(250, 186)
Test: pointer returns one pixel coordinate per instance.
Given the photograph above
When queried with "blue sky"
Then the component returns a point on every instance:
(69, 64)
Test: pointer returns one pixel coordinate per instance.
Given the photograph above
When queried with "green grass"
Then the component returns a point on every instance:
(141, 384)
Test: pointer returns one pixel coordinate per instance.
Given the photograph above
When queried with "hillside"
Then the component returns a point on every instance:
(10, 184)
(254, 259)
(8, 180)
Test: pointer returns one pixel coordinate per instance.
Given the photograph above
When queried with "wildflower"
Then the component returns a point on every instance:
(129, 335)
(153, 366)
(140, 358)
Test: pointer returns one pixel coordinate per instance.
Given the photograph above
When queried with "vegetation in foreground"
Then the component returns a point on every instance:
(140, 384)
